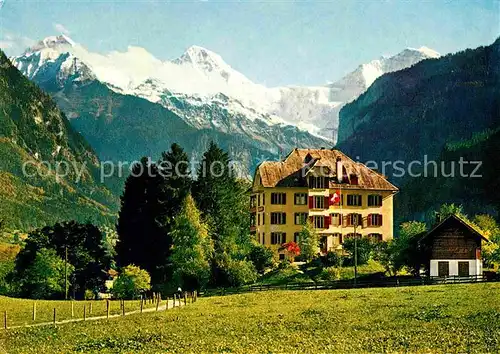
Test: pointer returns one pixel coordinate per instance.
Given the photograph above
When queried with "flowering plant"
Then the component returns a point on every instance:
(292, 248)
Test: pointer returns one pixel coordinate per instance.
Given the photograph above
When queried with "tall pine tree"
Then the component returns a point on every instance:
(223, 201)
(141, 238)
(150, 202)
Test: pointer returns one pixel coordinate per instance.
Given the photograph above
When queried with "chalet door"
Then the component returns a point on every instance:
(443, 269)
(463, 269)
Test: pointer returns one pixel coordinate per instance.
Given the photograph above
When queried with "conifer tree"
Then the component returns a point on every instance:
(192, 248)
(174, 169)
(150, 202)
(142, 240)
(223, 201)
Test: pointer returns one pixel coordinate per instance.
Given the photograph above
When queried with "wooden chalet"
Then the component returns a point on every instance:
(454, 248)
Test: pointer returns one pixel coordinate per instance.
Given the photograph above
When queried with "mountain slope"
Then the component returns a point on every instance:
(34, 138)
(477, 188)
(436, 110)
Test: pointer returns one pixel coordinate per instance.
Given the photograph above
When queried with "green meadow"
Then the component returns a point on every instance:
(424, 319)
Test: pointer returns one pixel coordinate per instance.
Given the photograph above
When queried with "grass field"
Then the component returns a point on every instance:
(444, 318)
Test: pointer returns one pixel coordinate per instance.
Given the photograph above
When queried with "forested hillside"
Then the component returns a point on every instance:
(36, 135)
(444, 108)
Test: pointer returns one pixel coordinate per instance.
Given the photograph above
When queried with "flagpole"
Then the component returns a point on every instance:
(341, 214)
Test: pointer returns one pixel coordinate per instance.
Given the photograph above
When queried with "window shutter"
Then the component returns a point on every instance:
(283, 240)
(328, 221)
(284, 198)
(369, 220)
(380, 219)
(327, 202)
(311, 202)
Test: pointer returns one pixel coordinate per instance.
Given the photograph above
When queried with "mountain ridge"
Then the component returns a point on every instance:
(200, 75)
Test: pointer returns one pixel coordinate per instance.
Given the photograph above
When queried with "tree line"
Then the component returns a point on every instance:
(175, 228)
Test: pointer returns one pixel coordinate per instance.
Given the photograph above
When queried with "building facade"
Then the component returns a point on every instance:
(454, 248)
(341, 198)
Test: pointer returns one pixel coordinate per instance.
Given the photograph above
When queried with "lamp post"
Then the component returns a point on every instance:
(66, 271)
(355, 224)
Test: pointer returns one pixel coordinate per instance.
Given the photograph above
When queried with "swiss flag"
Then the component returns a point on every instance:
(335, 198)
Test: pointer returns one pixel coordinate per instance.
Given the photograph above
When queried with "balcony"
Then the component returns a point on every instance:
(318, 192)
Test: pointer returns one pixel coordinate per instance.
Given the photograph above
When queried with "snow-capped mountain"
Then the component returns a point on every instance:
(199, 85)
(355, 83)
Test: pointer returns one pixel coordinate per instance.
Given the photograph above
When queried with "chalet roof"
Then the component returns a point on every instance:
(467, 224)
(290, 171)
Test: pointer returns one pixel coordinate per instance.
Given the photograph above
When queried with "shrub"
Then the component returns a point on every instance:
(131, 282)
(330, 273)
(332, 258)
(364, 250)
(262, 257)
(89, 295)
(240, 272)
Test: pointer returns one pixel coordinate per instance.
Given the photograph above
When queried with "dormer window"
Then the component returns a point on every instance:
(318, 182)
(308, 158)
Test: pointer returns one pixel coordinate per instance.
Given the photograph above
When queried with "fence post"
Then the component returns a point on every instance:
(107, 308)
(123, 307)
(84, 312)
(54, 316)
(34, 311)
(90, 308)
(72, 309)
(173, 302)
(5, 319)
(185, 298)
(166, 305)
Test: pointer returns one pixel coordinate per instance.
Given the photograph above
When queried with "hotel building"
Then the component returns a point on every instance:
(340, 197)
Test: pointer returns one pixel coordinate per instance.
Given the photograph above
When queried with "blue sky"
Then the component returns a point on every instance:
(272, 42)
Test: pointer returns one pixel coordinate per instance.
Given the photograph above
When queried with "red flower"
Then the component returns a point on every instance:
(292, 248)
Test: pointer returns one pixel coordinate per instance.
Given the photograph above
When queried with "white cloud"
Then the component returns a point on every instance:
(6, 44)
(14, 43)
(60, 28)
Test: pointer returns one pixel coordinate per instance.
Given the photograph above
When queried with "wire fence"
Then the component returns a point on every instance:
(30, 313)
(351, 283)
